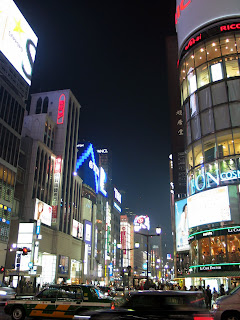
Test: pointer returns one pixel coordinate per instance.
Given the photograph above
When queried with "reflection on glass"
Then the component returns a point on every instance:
(227, 171)
(198, 155)
(193, 104)
(202, 75)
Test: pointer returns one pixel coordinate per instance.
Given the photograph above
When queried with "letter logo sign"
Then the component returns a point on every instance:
(182, 6)
(61, 109)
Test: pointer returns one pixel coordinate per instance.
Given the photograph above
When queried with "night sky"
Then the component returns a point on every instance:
(111, 54)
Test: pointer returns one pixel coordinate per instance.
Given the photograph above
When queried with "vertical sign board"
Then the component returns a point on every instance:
(88, 241)
(61, 109)
(56, 182)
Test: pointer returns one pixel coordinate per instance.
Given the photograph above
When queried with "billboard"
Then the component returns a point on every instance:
(209, 207)
(181, 222)
(141, 222)
(18, 42)
(43, 212)
(191, 15)
(77, 229)
(88, 232)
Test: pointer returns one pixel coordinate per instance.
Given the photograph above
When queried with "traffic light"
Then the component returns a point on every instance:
(25, 251)
(2, 269)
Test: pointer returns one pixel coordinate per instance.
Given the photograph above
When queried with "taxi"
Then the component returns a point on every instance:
(56, 302)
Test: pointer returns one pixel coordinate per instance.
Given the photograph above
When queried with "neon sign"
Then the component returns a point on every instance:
(61, 109)
(232, 26)
(205, 181)
(193, 41)
(117, 195)
(117, 207)
(180, 8)
(102, 182)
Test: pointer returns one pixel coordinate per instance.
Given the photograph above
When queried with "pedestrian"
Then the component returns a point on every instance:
(208, 297)
(222, 291)
(214, 295)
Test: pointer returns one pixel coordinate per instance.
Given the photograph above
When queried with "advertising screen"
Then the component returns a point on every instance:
(181, 221)
(209, 207)
(141, 222)
(191, 15)
(43, 212)
(77, 229)
(87, 232)
(18, 42)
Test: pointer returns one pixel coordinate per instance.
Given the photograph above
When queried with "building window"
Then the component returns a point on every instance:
(203, 75)
(236, 137)
(45, 105)
(207, 122)
(225, 144)
(221, 116)
(232, 67)
(235, 113)
(39, 106)
(213, 49)
(216, 71)
(210, 150)
(198, 155)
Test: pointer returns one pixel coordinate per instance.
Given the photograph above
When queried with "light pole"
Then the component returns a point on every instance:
(147, 235)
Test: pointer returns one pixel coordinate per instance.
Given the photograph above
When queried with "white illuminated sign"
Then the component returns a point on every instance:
(209, 207)
(102, 182)
(117, 207)
(18, 42)
(102, 151)
(141, 222)
(77, 229)
(117, 195)
(43, 212)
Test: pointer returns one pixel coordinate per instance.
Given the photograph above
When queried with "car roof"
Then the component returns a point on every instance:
(166, 292)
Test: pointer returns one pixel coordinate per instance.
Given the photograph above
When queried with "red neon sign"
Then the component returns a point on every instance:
(61, 109)
(193, 41)
(57, 167)
(232, 26)
(180, 8)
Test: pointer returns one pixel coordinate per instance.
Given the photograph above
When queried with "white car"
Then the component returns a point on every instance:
(6, 293)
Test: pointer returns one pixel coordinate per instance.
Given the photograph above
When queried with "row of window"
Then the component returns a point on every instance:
(217, 146)
(211, 61)
(11, 111)
(214, 250)
(9, 146)
(43, 177)
(49, 135)
(42, 105)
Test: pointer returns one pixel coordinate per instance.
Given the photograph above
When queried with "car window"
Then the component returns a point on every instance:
(142, 301)
(70, 293)
(48, 293)
(97, 293)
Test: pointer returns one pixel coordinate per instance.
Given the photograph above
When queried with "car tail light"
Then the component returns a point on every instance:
(202, 317)
(112, 306)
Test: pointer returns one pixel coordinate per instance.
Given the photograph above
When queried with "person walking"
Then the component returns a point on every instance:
(208, 297)
(222, 291)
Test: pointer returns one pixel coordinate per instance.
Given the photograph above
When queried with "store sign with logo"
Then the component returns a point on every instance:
(61, 109)
(141, 222)
(56, 183)
(208, 180)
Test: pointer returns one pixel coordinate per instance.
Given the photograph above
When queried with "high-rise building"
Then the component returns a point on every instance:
(207, 223)
(17, 53)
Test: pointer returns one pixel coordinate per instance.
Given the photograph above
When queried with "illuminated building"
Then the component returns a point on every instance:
(17, 53)
(209, 49)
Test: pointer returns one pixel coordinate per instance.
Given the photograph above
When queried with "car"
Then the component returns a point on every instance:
(144, 305)
(119, 292)
(56, 301)
(108, 291)
(6, 293)
(228, 306)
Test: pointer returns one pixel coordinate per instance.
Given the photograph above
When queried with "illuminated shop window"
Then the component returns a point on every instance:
(236, 136)
(226, 168)
(182, 74)
(213, 49)
(192, 82)
(210, 150)
(218, 249)
(194, 252)
(232, 67)
(227, 44)
(216, 71)
(200, 56)
(189, 63)
(204, 251)
(237, 37)
(233, 246)
(225, 144)
(193, 104)
(190, 159)
(235, 113)
(212, 168)
(184, 90)
(207, 122)
(198, 155)
(203, 75)
(221, 115)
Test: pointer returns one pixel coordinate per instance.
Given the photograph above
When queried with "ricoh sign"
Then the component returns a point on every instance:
(192, 15)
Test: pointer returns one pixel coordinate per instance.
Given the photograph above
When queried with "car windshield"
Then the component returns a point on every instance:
(99, 293)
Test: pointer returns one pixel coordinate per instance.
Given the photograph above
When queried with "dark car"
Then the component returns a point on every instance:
(176, 305)
(108, 291)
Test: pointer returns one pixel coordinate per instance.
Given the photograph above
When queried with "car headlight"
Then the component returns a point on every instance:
(215, 306)
(3, 293)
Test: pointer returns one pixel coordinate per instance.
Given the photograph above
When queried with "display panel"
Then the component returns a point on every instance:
(191, 15)
(77, 229)
(209, 207)
(141, 222)
(181, 221)
(18, 42)
(43, 212)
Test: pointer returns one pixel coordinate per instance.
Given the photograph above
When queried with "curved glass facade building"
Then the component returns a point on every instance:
(209, 72)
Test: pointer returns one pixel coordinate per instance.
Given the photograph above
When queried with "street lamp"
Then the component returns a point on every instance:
(147, 235)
